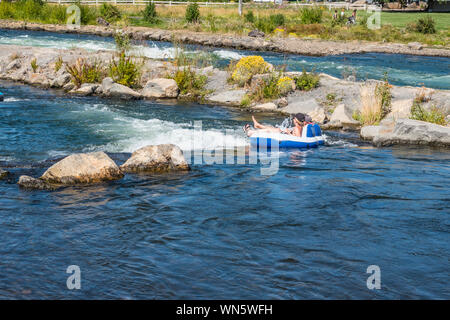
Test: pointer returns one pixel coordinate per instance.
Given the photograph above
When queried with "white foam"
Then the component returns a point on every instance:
(131, 134)
(226, 54)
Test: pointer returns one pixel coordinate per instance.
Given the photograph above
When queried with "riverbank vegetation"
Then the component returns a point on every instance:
(419, 112)
(375, 103)
(275, 21)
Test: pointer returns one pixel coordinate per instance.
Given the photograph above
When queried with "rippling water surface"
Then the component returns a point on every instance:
(219, 231)
(411, 70)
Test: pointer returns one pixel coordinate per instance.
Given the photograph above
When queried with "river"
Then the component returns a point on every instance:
(222, 230)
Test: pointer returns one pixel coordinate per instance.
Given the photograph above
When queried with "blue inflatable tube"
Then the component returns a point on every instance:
(311, 138)
(2, 96)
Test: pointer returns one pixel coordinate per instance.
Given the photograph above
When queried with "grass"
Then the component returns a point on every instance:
(434, 115)
(375, 103)
(395, 26)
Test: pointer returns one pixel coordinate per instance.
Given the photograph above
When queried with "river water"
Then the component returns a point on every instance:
(308, 230)
(433, 72)
(221, 230)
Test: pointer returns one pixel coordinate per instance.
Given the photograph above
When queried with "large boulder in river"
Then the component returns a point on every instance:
(407, 131)
(160, 88)
(116, 90)
(156, 158)
(83, 168)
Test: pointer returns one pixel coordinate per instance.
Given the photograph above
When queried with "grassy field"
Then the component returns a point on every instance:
(401, 19)
(314, 23)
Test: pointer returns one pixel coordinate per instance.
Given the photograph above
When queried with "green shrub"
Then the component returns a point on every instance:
(190, 83)
(122, 41)
(307, 81)
(426, 25)
(277, 19)
(110, 12)
(84, 71)
(434, 115)
(192, 13)
(249, 16)
(124, 71)
(311, 15)
(34, 65)
(58, 64)
(265, 24)
(88, 14)
(150, 13)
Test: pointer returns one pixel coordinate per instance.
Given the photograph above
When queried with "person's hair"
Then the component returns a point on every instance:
(300, 117)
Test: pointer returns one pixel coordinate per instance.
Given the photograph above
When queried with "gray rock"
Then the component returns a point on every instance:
(318, 115)
(15, 64)
(27, 182)
(415, 45)
(230, 97)
(85, 89)
(38, 79)
(69, 86)
(256, 34)
(217, 81)
(156, 158)
(300, 104)
(160, 88)
(102, 22)
(282, 102)
(116, 90)
(83, 168)
(342, 116)
(61, 80)
(270, 106)
(3, 174)
(407, 131)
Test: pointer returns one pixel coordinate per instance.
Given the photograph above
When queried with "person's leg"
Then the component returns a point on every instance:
(258, 125)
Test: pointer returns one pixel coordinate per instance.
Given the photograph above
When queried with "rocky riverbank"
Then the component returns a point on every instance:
(333, 103)
(311, 47)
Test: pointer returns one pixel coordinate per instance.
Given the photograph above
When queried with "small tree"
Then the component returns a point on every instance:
(150, 13)
(192, 13)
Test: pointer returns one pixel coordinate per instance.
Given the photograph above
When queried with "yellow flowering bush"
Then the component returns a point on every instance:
(285, 85)
(247, 67)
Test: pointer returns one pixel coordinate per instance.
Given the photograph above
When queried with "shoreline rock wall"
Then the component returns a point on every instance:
(284, 45)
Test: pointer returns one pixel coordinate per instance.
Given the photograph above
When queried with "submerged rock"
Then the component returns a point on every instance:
(156, 158)
(407, 131)
(116, 90)
(83, 168)
(28, 182)
(160, 88)
(3, 174)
